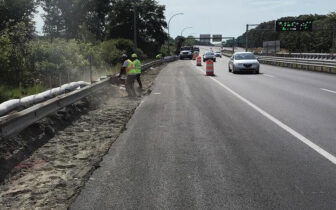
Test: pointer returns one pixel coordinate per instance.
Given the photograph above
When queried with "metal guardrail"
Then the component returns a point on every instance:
(305, 64)
(300, 60)
(16, 122)
(317, 56)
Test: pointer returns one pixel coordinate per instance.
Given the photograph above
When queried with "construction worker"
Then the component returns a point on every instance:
(137, 65)
(128, 68)
(124, 61)
(131, 76)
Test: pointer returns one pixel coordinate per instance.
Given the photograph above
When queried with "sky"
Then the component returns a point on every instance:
(229, 17)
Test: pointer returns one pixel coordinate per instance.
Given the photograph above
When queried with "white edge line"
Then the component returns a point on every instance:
(267, 75)
(297, 135)
(330, 91)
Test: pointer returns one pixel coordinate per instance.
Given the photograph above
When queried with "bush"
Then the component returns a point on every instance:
(113, 49)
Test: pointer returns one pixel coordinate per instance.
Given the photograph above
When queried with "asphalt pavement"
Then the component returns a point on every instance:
(241, 141)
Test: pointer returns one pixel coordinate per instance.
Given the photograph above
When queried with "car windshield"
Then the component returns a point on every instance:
(209, 53)
(245, 56)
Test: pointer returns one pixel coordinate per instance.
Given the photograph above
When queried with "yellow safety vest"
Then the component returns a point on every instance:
(137, 65)
(130, 70)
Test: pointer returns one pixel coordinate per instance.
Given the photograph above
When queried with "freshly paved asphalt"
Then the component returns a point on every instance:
(192, 144)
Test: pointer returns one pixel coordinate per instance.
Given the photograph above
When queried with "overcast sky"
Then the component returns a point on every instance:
(229, 17)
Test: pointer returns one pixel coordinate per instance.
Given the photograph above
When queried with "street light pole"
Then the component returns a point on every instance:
(184, 30)
(169, 28)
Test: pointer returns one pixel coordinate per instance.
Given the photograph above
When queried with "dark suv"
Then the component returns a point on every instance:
(196, 49)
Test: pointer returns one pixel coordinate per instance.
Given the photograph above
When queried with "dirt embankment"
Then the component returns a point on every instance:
(67, 147)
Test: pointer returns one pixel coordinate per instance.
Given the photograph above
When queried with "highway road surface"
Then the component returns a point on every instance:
(243, 141)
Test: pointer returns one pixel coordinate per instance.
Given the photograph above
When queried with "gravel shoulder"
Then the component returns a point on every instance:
(53, 175)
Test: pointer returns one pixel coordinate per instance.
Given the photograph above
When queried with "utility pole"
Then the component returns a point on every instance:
(90, 60)
(334, 40)
(247, 30)
(233, 44)
(246, 36)
(135, 27)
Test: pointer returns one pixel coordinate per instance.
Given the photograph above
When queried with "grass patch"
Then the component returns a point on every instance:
(8, 93)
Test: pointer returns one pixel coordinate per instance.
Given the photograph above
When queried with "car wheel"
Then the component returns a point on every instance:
(230, 69)
(233, 70)
(257, 71)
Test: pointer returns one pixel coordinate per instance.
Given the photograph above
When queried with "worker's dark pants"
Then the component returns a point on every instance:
(139, 80)
(130, 85)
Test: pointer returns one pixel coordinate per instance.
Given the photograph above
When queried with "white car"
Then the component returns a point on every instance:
(244, 62)
(209, 56)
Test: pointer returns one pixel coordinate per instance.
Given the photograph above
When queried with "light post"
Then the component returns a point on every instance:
(169, 28)
(186, 28)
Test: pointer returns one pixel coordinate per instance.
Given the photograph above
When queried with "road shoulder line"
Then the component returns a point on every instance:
(330, 91)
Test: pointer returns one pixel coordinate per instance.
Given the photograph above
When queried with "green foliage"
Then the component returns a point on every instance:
(93, 20)
(113, 49)
(14, 50)
(179, 41)
(190, 41)
(14, 11)
(16, 29)
(319, 40)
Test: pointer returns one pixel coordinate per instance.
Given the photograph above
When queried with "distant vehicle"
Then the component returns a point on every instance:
(244, 62)
(187, 48)
(218, 54)
(196, 49)
(209, 56)
(186, 54)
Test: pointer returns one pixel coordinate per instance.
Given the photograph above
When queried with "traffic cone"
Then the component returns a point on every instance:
(210, 68)
(195, 55)
(199, 61)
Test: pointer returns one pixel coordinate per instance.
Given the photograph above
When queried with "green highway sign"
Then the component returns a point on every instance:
(296, 25)
(217, 38)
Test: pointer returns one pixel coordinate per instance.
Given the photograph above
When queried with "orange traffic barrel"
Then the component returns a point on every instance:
(210, 68)
(195, 55)
(199, 61)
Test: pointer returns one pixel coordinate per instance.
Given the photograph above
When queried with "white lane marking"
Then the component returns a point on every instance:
(157, 93)
(268, 75)
(297, 135)
(330, 91)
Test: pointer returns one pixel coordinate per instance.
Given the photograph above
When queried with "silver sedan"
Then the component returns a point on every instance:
(244, 62)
